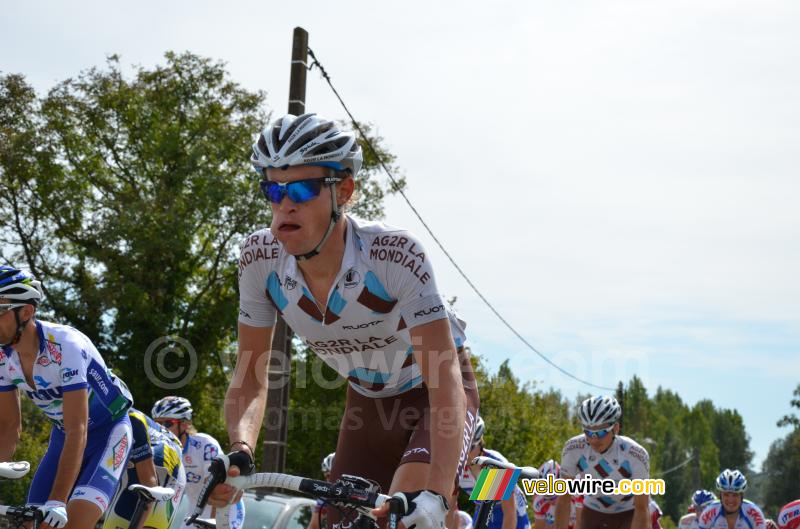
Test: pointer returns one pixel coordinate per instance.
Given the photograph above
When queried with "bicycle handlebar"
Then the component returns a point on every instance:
(340, 492)
(14, 469)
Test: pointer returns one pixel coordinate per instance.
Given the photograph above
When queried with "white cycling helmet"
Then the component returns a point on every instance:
(306, 140)
(480, 428)
(327, 463)
(600, 410)
(20, 288)
(172, 408)
(731, 481)
(550, 467)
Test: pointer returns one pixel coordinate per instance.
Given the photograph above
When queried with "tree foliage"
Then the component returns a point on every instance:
(782, 465)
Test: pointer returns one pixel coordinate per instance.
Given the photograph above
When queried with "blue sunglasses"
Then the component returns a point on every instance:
(298, 192)
(598, 434)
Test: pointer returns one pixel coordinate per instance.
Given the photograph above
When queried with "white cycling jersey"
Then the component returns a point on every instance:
(750, 517)
(384, 288)
(624, 459)
(67, 361)
(544, 508)
(198, 451)
(688, 521)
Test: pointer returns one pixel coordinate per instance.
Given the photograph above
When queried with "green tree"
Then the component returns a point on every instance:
(782, 465)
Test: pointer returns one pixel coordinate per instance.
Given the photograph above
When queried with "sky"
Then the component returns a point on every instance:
(618, 178)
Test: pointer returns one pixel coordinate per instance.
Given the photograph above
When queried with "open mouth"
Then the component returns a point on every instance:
(288, 227)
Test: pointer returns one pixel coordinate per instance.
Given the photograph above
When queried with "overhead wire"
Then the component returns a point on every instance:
(316, 64)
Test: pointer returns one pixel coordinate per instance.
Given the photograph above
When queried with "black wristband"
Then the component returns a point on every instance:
(243, 443)
(243, 460)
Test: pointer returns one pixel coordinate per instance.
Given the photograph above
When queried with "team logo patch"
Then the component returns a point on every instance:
(68, 374)
(54, 348)
(209, 453)
(120, 452)
(290, 283)
(352, 278)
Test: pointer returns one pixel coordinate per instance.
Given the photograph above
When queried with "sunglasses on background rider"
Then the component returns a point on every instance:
(598, 434)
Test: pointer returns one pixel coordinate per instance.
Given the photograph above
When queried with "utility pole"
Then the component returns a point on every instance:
(621, 400)
(280, 364)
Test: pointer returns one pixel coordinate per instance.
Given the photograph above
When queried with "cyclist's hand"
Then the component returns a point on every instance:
(423, 509)
(222, 495)
(54, 513)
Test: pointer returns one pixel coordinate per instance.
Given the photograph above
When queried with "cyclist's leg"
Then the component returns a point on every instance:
(412, 472)
(45, 475)
(170, 473)
(105, 459)
(124, 503)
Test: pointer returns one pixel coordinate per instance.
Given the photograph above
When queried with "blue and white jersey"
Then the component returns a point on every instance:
(198, 451)
(467, 482)
(384, 288)
(67, 361)
(750, 517)
(624, 459)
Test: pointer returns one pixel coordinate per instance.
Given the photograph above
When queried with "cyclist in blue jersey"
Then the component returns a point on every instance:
(58, 368)
(731, 511)
(363, 296)
(507, 514)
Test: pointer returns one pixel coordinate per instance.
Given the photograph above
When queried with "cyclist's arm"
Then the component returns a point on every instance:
(509, 508)
(247, 393)
(76, 418)
(641, 512)
(563, 507)
(435, 353)
(10, 423)
(146, 473)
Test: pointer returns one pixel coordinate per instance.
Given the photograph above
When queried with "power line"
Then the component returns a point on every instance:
(327, 78)
(678, 466)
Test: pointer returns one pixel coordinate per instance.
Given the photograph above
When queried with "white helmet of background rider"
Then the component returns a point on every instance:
(600, 410)
(731, 481)
(327, 463)
(307, 140)
(480, 427)
(172, 408)
(550, 467)
(20, 288)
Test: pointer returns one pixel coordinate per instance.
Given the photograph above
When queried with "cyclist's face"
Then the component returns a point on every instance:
(601, 444)
(731, 501)
(299, 227)
(8, 323)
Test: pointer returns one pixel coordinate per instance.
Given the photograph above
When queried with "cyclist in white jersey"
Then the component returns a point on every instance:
(364, 297)
(175, 414)
(700, 500)
(604, 454)
(732, 511)
(59, 369)
(544, 507)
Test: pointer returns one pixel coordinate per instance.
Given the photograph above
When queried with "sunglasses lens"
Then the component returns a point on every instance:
(304, 190)
(298, 192)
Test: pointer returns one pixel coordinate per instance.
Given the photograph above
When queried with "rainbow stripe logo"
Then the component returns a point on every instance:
(495, 484)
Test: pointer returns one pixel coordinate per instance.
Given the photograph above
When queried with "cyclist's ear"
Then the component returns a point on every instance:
(345, 188)
(616, 428)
